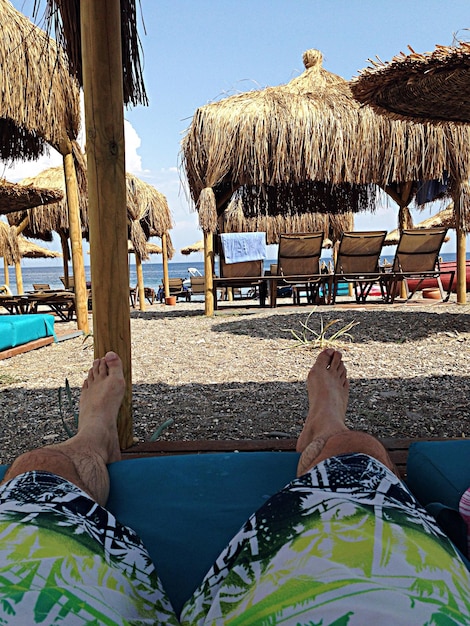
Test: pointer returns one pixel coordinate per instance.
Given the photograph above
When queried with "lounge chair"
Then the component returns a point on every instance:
(68, 283)
(62, 303)
(149, 294)
(357, 262)
(15, 305)
(246, 274)
(198, 285)
(41, 286)
(176, 288)
(298, 266)
(417, 257)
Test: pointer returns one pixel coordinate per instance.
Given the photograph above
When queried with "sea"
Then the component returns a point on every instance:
(153, 272)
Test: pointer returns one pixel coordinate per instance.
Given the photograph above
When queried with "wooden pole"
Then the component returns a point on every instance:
(104, 122)
(166, 284)
(6, 272)
(19, 279)
(209, 273)
(65, 257)
(460, 237)
(140, 281)
(75, 228)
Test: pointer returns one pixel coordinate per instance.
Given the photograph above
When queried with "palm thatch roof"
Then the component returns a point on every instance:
(15, 247)
(43, 221)
(29, 249)
(198, 246)
(235, 220)
(148, 211)
(433, 86)
(39, 100)
(149, 214)
(64, 18)
(444, 218)
(306, 134)
(9, 248)
(150, 248)
(16, 197)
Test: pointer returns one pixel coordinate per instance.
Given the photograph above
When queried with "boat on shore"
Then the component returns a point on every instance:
(446, 266)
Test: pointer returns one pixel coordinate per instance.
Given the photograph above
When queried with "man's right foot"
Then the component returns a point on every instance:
(100, 400)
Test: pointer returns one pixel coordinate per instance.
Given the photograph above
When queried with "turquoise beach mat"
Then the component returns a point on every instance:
(16, 330)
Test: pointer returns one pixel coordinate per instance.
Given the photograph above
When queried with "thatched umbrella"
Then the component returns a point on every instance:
(31, 250)
(14, 247)
(150, 248)
(198, 246)
(431, 87)
(150, 216)
(39, 102)
(15, 197)
(310, 133)
(147, 210)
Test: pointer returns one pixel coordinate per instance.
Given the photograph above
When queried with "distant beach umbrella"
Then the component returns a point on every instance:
(198, 246)
(150, 248)
(444, 218)
(30, 250)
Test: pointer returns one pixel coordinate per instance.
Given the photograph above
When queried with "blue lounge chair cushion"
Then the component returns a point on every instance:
(16, 330)
(438, 473)
(186, 508)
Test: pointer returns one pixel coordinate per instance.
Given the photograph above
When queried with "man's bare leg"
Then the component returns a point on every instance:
(325, 433)
(82, 459)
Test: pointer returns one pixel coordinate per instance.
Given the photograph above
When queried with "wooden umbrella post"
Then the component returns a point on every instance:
(140, 281)
(19, 279)
(75, 227)
(65, 256)
(209, 273)
(461, 245)
(6, 272)
(166, 284)
(104, 121)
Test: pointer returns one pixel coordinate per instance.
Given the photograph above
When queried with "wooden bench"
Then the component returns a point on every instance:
(397, 448)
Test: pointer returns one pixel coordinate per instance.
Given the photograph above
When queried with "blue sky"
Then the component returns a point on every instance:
(197, 51)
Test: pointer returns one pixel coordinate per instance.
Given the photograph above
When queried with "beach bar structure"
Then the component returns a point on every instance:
(433, 87)
(309, 146)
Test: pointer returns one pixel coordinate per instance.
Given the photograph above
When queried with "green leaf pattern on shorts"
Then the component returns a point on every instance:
(326, 552)
(67, 560)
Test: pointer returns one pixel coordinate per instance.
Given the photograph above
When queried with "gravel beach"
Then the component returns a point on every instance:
(241, 374)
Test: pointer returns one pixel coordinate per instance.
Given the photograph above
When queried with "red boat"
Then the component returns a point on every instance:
(430, 283)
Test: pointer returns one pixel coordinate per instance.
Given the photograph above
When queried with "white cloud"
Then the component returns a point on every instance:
(133, 142)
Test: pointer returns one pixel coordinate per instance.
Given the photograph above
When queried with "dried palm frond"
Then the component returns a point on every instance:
(430, 87)
(39, 100)
(64, 17)
(15, 197)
